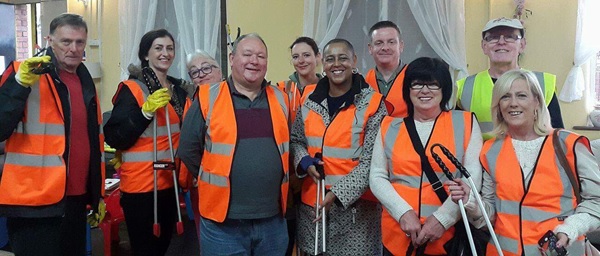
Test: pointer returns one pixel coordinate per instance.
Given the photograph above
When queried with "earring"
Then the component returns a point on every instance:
(323, 74)
(355, 71)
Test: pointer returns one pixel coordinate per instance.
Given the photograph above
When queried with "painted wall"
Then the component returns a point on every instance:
(550, 39)
(278, 22)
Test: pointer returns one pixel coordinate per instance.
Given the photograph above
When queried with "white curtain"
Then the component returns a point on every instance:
(323, 19)
(443, 24)
(136, 17)
(587, 44)
(198, 23)
(194, 24)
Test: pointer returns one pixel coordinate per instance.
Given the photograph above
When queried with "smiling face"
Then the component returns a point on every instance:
(68, 44)
(161, 54)
(304, 59)
(518, 107)
(426, 100)
(249, 62)
(386, 47)
(338, 62)
(503, 52)
(199, 67)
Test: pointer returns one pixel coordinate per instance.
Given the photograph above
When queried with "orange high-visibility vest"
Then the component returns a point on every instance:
(294, 96)
(35, 171)
(453, 130)
(220, 143)
(394, 95)
(524, 215)
(340, 141)
(136, 171)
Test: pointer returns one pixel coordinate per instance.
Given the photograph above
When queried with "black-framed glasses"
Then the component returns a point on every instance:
(195, 73)
(420, 85)
(493, 39)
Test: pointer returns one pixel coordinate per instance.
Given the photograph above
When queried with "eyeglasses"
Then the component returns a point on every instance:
(195, 73)
(420, 85)
(493, 39)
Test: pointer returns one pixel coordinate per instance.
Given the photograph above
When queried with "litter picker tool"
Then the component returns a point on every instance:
(320, 199)
(167, 166)
(474, 191)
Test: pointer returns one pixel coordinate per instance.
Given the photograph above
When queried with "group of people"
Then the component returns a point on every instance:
(251, 152)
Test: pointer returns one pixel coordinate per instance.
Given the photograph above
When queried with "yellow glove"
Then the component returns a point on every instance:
(94, 218)
(117, 161)
(156, 100)
(25, 75)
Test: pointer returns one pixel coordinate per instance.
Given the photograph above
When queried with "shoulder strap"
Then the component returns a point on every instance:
(562, 158)
(425, 165)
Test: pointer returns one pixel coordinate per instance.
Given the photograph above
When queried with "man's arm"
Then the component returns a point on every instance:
(555, 115)
(14, 98)
(191, 140)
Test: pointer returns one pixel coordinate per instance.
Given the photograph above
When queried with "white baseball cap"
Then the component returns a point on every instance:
(503, 22)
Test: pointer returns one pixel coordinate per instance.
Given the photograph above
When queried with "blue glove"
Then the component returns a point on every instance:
(306, 162)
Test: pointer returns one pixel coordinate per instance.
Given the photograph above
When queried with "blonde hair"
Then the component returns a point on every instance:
(541, 125)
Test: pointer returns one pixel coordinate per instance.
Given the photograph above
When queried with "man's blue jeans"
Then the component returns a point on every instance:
(266, 236)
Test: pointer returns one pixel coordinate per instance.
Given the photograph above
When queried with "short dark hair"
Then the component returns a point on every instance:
(251, 35)
(147, 40)
(307, 40)
(384, 24)
(427, 69)
(342, 41)
(68, 19)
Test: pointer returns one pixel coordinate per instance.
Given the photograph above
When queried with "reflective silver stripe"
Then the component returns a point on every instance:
(281, 100)
(509, 244)
(467, 93)
(344, 153)
(492, 156)
(33, 160)
(314, 141)
(160, 130)
(508, 206)
(34, 128)
(33, 125)
(428, 210)
(458, 121)
(542, 81)
(283, 148)
(213, 93)
(406, 180)
(219, 148)
(331, 180)
(213, 179)
(486, 126)
(390, 140)
(129, 157)
(143, 87)
(537, 215)
(286, 178)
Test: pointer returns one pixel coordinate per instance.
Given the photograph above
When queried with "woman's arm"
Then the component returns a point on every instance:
(587, 213)
(298, 143)
(379, 181)
(126, 123)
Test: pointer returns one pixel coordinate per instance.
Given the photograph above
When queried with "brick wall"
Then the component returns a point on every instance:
(22, 44)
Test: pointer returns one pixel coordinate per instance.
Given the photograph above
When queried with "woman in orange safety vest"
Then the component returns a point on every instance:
(138, 102)
(418, 216)
(338, 118)
(527, 189)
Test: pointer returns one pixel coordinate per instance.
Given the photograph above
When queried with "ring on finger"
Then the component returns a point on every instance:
(407, 235)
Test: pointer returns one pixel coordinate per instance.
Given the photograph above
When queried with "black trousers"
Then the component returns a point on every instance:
(65, 235)
(139, 218)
